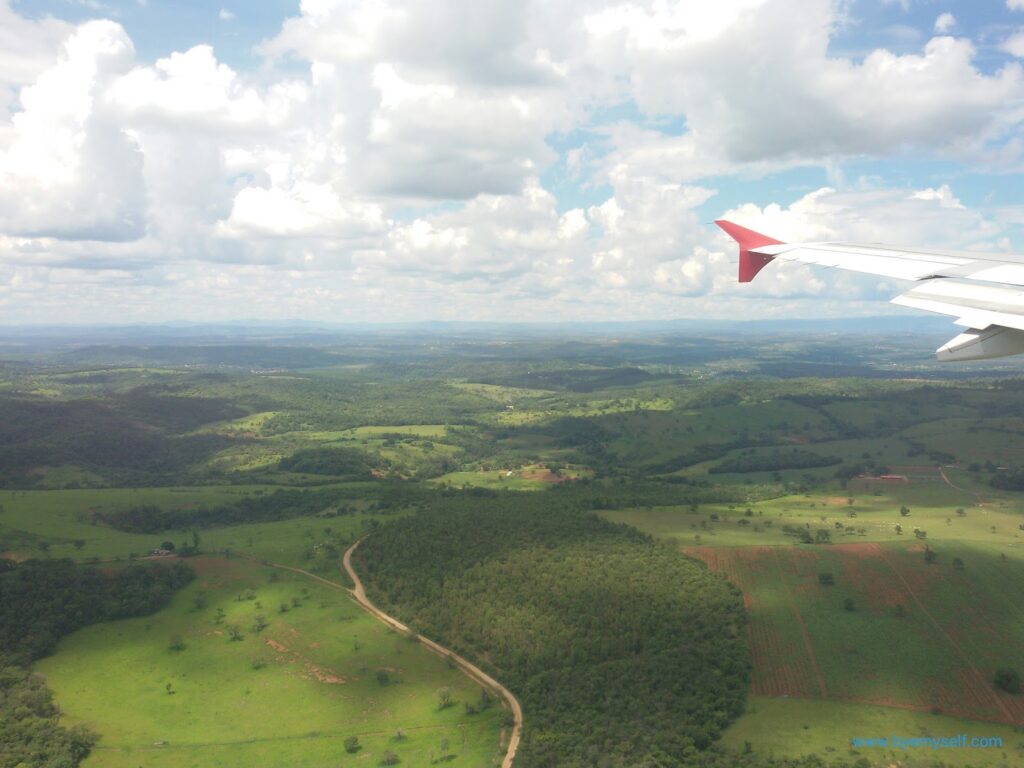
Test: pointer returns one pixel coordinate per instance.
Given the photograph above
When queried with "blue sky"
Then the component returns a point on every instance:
(493, 160)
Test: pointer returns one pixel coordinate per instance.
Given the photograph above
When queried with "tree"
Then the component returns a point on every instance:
(176, 643)
(899, 529)
(1008, 680)
(444, 698)
(383, 677)
(929, 555)
(168, 545)
(259, 623)
(823, 536)
(79, 543)
(389, 758)
(961, 513)
(352, 745)
(826, 579)
(444, 746)
(958, 563)
(904, 511)
(849, 605)
(234, 632)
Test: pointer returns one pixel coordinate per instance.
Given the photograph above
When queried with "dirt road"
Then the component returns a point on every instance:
(359, 593)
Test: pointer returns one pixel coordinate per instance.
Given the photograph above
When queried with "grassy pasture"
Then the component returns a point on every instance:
(493, 479)
(317, 684)
(60, 518)
(933, 506)
(793, 727)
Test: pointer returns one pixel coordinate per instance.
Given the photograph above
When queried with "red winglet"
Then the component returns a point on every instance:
(750, 263)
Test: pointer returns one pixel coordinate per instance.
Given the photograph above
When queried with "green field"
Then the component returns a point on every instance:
(317, 682)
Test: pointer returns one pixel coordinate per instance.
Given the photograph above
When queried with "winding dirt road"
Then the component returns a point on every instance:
(477, 674)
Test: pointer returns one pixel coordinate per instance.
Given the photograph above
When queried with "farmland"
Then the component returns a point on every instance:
(475, 469)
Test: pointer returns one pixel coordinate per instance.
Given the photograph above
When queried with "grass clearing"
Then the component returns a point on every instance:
(316, 681)
(795, 727)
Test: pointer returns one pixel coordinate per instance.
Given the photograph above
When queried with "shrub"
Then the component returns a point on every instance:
(1008, 680)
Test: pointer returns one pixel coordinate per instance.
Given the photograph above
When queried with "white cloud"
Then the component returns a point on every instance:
(303, 210)
(792, 100)
(1015, 5)
(225, 15)
(69, 169)
(946, 22)
(27, 47)
(1014, 44)
(194, 88)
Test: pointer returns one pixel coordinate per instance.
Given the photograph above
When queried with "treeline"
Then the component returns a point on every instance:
(282, 504)
(621, 650)
(1009, 480)
(773, 462)
(285, 504)
(41, 601)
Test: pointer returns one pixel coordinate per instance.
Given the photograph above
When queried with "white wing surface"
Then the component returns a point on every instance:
(984, 292)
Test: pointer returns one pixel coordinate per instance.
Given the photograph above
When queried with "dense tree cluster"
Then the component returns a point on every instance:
(341, 462)
(619, 648)
(30, 734)
(122, 438)
(1008, 480)
(41, 601)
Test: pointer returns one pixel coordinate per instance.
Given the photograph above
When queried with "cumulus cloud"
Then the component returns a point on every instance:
(945, 23)
(69, 169)
(27, 47)
(302, 210)
(792, 99)
(1014, 45)
(193, 88)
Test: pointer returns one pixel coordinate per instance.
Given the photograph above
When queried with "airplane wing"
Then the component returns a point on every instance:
(984, 292)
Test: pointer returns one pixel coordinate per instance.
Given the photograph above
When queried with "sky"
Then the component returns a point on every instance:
(491, 160)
